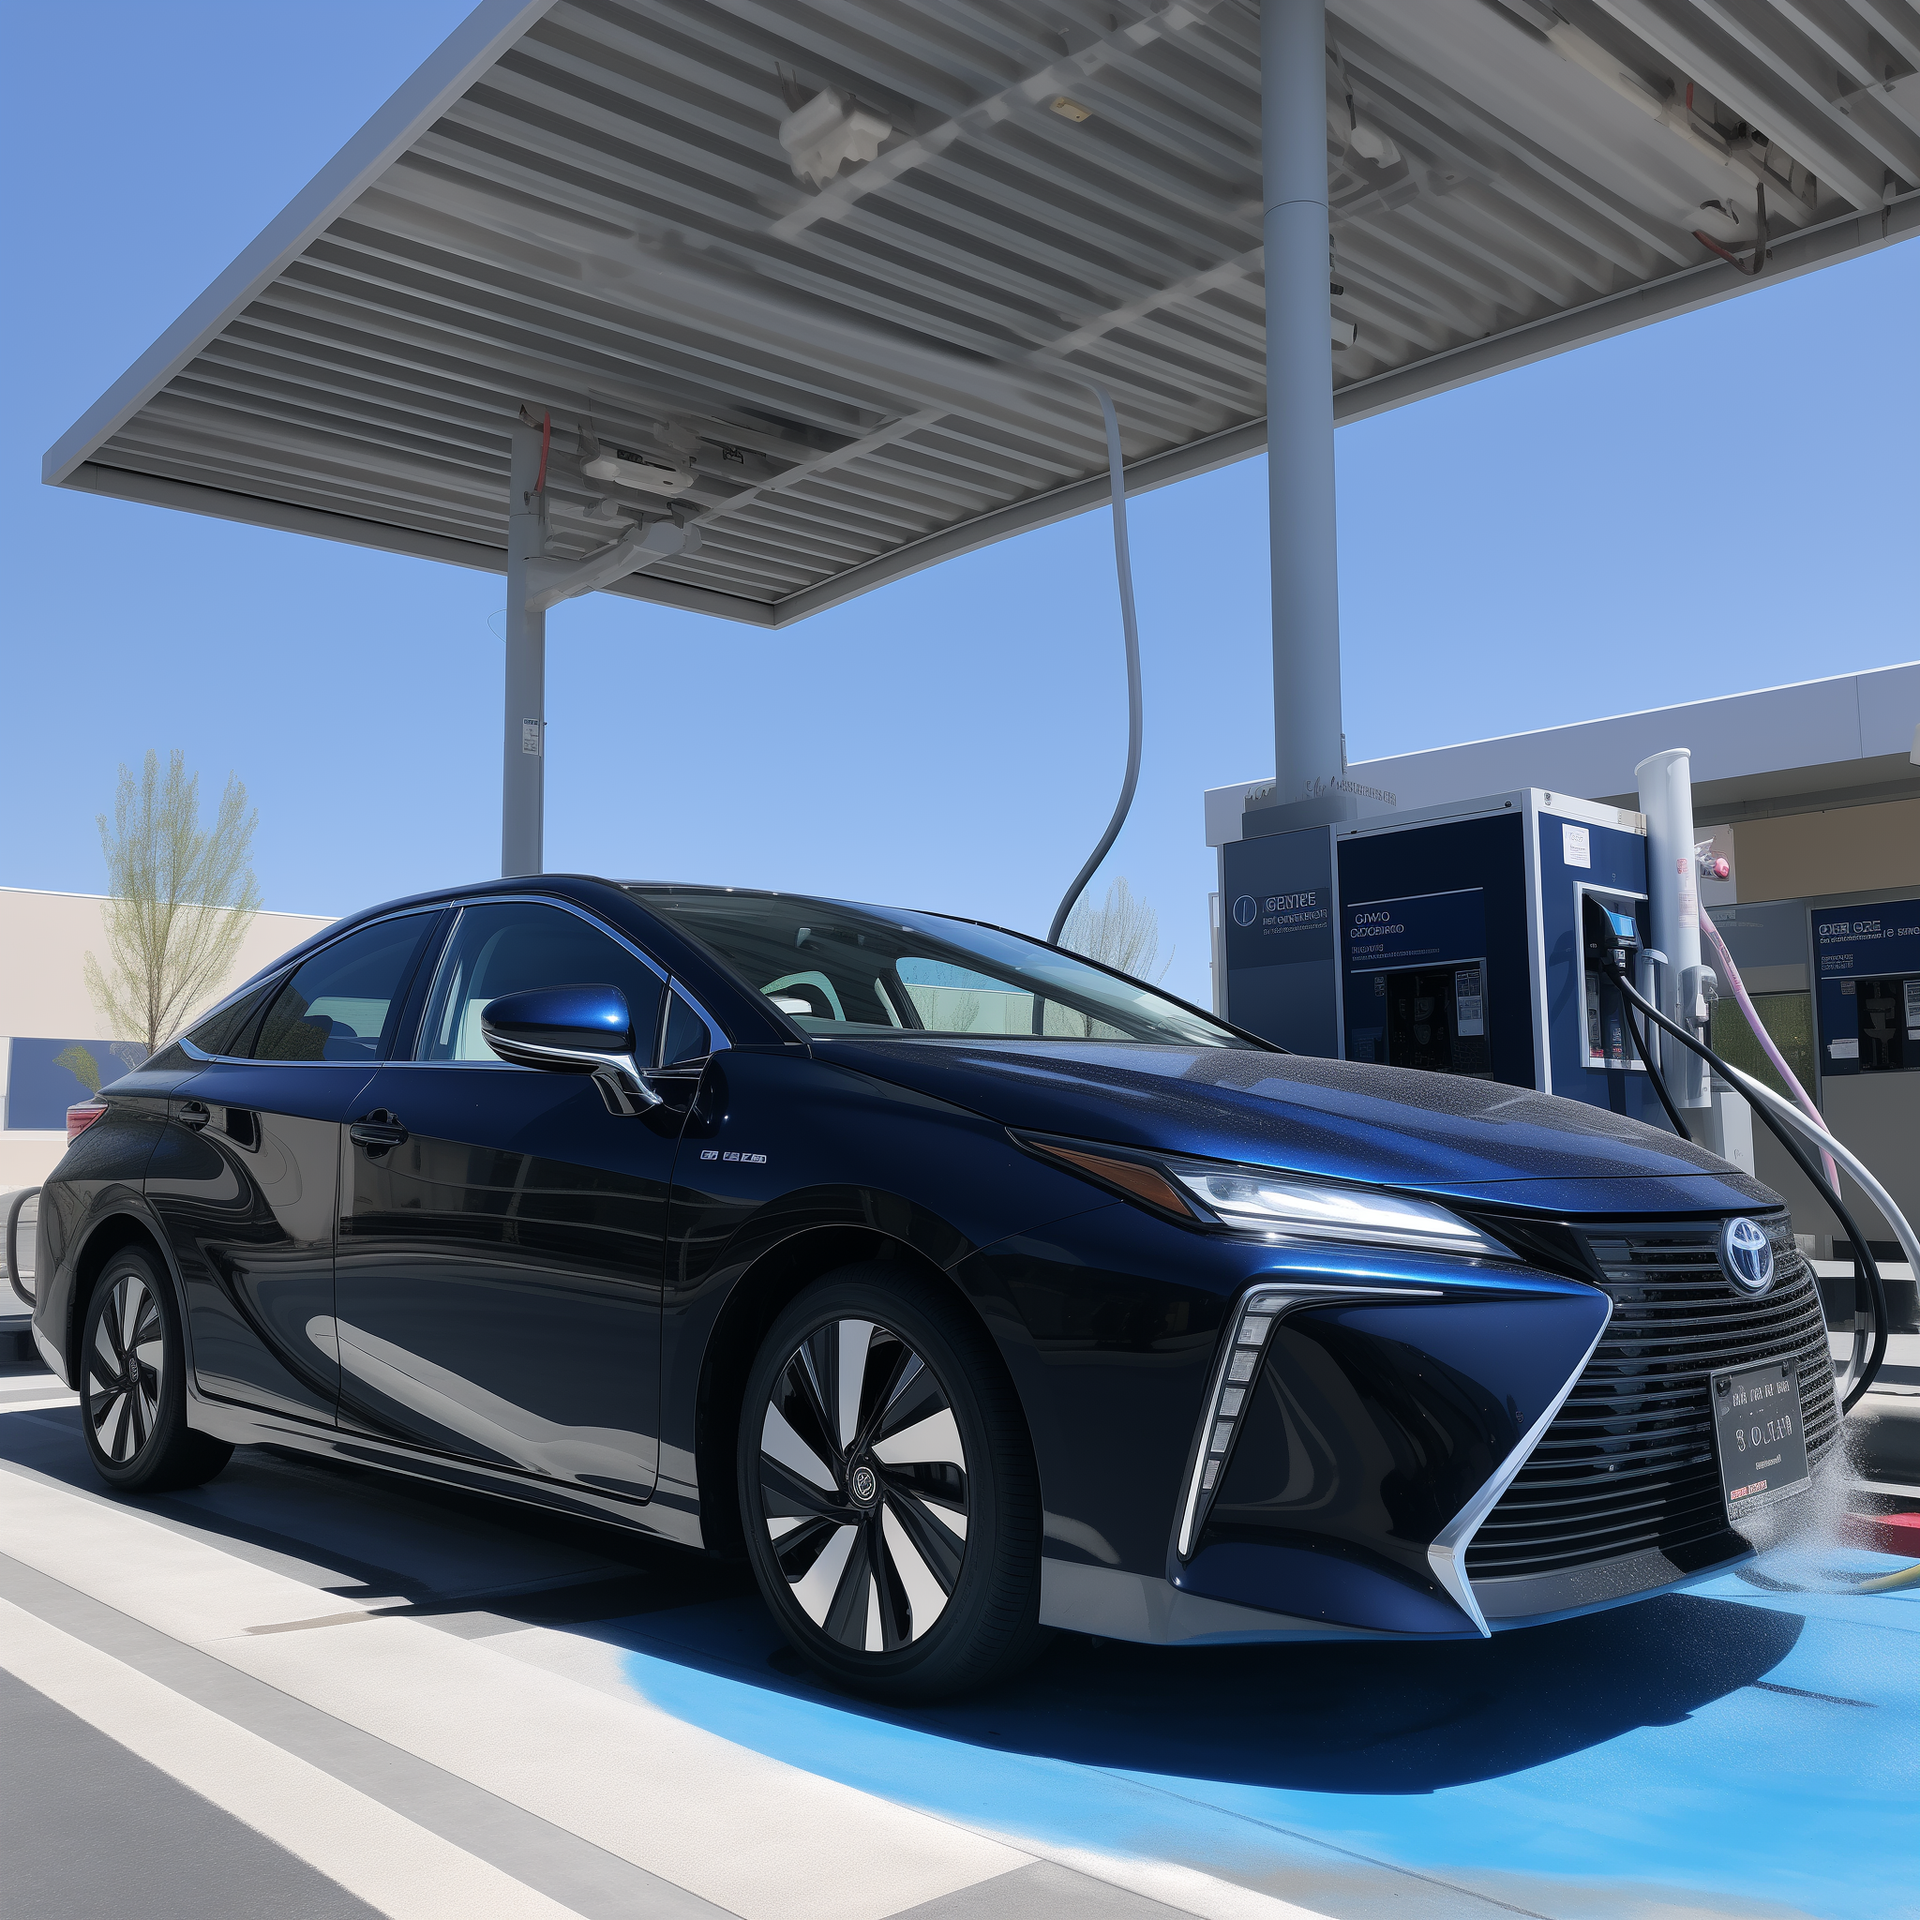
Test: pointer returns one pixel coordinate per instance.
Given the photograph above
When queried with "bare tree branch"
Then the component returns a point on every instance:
(1122, 932)
(180, 901)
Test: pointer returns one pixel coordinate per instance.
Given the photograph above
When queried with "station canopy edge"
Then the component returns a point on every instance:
(830, 281)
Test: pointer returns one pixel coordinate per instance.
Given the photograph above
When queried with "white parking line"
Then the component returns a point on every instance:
(602, 1665)
(769, 1841)
(382, 1858)
(545, 1721)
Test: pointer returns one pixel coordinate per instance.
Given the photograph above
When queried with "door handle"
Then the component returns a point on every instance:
(378, 1131)
(194, 1114)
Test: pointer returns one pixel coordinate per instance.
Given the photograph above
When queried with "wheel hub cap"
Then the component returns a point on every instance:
(863, 1486)
(125, 1363)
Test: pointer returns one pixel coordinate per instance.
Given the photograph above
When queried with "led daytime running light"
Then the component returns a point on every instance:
(1257, 1314)
(1236, 1372)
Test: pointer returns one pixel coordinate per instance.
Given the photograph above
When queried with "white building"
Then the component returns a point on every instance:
(44, 941)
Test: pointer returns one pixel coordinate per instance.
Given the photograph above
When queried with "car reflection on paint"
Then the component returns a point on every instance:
(967, 1288)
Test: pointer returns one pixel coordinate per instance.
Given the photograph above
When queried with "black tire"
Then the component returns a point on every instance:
(897, 1569)
(133, 1384)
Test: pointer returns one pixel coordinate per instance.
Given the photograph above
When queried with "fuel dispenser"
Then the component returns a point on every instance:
(1503, 939)
(1448, 938)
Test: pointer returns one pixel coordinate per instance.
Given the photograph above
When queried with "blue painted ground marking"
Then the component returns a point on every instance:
(1631, 1749)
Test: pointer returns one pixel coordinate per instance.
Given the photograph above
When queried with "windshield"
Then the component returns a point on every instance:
(840, 969)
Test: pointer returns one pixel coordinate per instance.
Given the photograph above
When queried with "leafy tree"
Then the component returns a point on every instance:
(180, 900)
(79, 1062)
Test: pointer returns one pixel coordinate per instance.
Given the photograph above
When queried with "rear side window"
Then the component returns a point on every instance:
(511, 946)
(340, 1004)
(225, 1032)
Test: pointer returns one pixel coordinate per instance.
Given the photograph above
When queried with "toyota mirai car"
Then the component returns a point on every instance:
(966, 1287)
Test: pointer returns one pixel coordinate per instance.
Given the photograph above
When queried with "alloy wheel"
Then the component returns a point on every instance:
(125, 1368)
(863, 1486)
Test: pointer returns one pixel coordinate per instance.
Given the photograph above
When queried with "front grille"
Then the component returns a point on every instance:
(1628, 1462)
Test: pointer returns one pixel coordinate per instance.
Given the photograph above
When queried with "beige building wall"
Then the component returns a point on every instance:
(44, 941)
(1843, 850)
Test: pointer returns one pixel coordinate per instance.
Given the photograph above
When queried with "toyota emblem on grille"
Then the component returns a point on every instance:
(1747, 1255)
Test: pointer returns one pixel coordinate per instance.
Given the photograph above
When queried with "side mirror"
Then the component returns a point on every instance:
(583, 1029)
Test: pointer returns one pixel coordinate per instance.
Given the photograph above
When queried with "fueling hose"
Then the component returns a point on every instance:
(1649, 1058)
(1779, 1115)
(1130, 630)
(1788, 1078)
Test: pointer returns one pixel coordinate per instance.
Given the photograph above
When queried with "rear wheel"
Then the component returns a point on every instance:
(133, 1384)
(888, 1491)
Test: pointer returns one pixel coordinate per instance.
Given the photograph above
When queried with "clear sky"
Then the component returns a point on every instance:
(1721, 502)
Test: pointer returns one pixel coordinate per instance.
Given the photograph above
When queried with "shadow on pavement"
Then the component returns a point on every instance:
(1359, 1719)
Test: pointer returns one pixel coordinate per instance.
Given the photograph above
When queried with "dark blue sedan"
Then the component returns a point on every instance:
(967, 1288)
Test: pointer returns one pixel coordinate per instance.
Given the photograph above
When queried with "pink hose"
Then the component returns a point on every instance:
(1731, 974)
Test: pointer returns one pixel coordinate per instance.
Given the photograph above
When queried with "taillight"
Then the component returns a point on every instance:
(82, 1116)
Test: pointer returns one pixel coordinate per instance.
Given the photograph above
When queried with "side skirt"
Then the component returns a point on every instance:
(247, 1427)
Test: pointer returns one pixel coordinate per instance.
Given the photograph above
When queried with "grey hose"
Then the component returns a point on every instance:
(1123, 566)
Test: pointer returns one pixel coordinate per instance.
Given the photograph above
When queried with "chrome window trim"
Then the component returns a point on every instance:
(667, 984)
(716, 1036)
(1279, 1298)
(278, 980)
(1447, 1556)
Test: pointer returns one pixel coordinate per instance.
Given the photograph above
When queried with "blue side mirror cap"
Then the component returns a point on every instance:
(544, 1025)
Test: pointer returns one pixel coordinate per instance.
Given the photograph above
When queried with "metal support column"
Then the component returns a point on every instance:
(1309, 758)
(523, 757)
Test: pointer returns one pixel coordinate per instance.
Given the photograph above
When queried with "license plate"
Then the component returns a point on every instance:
(1756, 1427)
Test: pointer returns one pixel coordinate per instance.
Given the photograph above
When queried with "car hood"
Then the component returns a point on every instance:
(1429, 1131)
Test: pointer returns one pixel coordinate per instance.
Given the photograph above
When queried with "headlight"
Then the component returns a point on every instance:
(1278, 1206)
(1256, 1201)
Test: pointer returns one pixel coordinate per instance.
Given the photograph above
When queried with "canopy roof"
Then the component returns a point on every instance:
(586, 207)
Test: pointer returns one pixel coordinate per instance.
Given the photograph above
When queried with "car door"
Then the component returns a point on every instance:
(245, 1180)
(501, 1234)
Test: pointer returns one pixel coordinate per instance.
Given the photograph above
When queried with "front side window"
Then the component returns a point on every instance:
(841, 969)
(343, 1002)
(686, 1038)
(513, 945)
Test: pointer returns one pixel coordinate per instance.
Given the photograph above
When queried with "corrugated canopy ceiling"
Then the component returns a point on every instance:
(586, 206)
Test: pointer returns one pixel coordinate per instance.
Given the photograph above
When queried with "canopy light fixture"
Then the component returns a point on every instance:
(1371, 144)
(829, 132)
(1069, 109)
(642, 471)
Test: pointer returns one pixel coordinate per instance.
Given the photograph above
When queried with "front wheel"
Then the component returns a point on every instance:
(888, 1490)
(133, 1387)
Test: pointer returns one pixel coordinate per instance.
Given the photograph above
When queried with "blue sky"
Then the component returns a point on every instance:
(1720, 502)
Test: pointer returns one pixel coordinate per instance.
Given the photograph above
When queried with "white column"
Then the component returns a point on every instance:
(523, 756)
(1306, 588)
(1673, 900)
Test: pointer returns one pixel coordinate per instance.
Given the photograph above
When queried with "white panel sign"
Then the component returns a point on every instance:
(1574, 848)
(1467, 1004)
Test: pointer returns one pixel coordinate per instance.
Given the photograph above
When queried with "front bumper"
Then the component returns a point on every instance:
(1151, 1612)
(1452, 1456)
